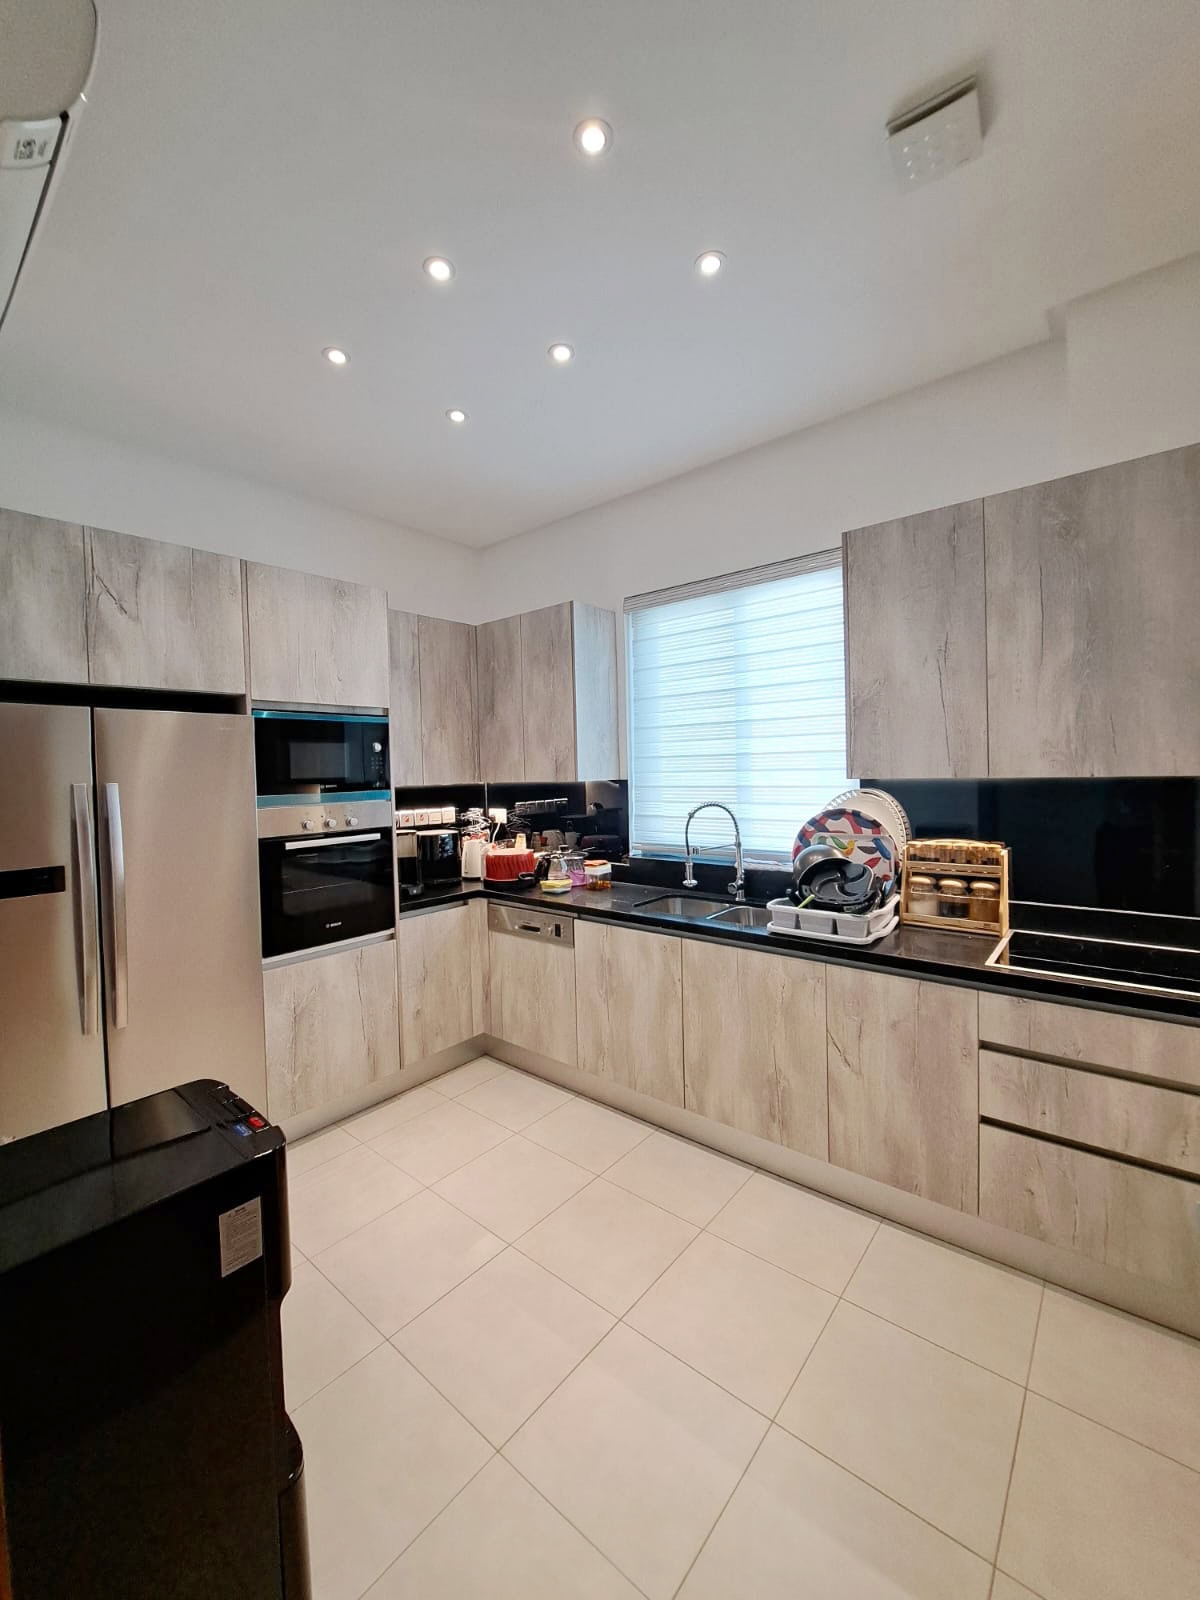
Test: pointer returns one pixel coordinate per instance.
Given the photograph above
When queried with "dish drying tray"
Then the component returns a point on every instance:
(838, 927)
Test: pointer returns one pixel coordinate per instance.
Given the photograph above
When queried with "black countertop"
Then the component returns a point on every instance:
(934, 953)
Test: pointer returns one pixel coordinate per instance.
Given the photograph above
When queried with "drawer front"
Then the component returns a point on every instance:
(1121, 1216)
(1166, 1050)
(1138, 1120)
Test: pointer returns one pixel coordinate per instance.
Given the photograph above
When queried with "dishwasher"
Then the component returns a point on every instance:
(533, 980)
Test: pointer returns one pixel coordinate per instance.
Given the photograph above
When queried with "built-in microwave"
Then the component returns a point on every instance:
(306, 756)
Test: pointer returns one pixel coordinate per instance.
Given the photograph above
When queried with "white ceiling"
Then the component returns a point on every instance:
(256, 179)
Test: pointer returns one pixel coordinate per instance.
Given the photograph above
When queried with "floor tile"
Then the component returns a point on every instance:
(639, 1453)
(1139, 1379)
(502, 1341)
(592, 1136)
(500, 1540)
(679, 1176)
(329, 1202)
(515, 1099)
(510, 1188)
(744, 1323)
(1006, 1588)
(323, 1335)
(440, 1141)
(459, 1079)
(799, 1526)
(800, 1231)
(388, 1114)
(398, 1265)
(608, 1243)
(976, 1308)
(1093, 1516)
(317, 1148)
(924, 1426)
(383, 1454)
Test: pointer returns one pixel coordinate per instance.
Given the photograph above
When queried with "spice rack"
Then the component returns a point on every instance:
(967, 887)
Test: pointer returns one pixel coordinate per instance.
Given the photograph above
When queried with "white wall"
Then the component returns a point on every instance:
(58, 471)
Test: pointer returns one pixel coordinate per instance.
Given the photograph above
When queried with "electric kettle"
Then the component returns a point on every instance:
(472, 857)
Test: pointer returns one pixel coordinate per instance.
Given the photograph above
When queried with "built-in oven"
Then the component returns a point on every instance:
(310, 755)
(322, 890)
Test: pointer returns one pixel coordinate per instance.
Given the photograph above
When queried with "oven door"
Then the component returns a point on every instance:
(321, 891)
(311, 755)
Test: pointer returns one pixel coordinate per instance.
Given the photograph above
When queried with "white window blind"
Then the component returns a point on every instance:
(737, 692)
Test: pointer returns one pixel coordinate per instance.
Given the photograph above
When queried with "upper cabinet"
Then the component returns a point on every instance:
(42, 585)
(162, 616)
(434, 714)
(316, 641)
(916, 666)
(1092, 637)
(548, 695)
(404, 702)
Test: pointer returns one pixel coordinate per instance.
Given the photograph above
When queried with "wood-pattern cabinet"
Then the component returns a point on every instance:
(501, 711)
(43, 633)
(532, 995)
(449, 715)
(332, 1027)
(316, 641)
(404, 702)
(904, 1083)
(629, 995)
(1143, 1046)
(755, 1054)
(442, 966)
(163, 616)
(916, 668)
(1093, 646)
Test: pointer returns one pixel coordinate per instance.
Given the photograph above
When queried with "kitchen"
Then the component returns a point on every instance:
(637, 1198)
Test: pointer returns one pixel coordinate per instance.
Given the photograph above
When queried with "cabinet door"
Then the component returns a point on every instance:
(449, 718)
(548, 694)
(42, 587)
(501, 734)
(629, 994)
(331, 1027)
(1093, 641)
(755, 1051)
(404, 700)
(1141, 1045)
(441, 959)
(916, 668)
(316, 641)
(162, 616)
(532, 998)
(595, 646)
(904, 1083)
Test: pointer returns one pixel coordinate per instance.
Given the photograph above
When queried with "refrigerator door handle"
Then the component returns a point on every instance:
(119, 960)
(85, 910)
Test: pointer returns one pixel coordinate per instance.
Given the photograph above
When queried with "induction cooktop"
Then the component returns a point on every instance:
(1107, 963)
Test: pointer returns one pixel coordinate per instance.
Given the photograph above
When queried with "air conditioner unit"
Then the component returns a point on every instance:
(49, 47)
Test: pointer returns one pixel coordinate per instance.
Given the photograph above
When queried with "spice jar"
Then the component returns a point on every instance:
(985, 900)
(952, 897)
(597, 874)
(922, 895)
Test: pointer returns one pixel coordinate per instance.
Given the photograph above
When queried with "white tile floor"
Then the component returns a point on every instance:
(537, 1350)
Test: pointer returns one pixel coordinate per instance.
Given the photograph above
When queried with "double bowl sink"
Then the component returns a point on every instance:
(694, 908)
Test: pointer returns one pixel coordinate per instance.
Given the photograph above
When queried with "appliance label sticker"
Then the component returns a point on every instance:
(241, 1236)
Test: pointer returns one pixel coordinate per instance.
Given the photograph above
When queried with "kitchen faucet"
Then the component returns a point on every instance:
(738, 887)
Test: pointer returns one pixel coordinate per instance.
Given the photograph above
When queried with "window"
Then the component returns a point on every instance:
(737, 692)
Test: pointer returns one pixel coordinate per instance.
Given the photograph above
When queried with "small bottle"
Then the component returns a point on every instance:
(952, 897)
(922, 895)
(985, 900)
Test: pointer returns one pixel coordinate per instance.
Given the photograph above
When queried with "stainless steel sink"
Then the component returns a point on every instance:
(743, 916)
(682, 905)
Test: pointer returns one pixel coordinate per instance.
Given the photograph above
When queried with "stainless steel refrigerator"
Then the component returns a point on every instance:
(130, 958)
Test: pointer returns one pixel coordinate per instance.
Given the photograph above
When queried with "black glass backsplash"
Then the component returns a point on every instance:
(596, 812)
(1129, 844)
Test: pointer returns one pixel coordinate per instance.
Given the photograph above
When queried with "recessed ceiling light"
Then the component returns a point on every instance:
(560, 354)
(455, 415)
(710, 263)
(334, 356)
(593, 137)
(439, 269)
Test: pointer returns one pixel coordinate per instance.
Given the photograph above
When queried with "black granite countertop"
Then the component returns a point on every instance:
(941, 955)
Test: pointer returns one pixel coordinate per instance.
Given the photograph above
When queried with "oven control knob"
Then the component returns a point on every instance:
(331, 822)
(352, 822)
(307, 824)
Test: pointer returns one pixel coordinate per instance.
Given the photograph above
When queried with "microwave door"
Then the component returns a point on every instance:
(51, 1041)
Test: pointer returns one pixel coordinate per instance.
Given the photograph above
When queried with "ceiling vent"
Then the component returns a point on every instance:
(940, 134)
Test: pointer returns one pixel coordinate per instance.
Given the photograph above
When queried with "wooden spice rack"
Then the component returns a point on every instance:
(968, 859)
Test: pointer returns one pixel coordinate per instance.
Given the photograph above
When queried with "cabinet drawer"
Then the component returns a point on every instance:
(1122, 1216)
(1130, 1119)
(1166, 1050)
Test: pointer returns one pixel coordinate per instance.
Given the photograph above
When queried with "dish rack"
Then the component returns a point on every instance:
(968, 861)
(839, 927)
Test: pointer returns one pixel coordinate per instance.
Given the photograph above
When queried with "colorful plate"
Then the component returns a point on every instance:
(858, 837)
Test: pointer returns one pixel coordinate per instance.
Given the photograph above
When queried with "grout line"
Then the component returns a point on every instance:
(558, 1511)
(1012, 1465)
(901, 1327)
(379, 1576)
(724, 1507)
(1116, 1432)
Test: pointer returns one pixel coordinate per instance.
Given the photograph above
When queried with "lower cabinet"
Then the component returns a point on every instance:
(754, 1043)
(441, 959)
(331, 1027)
(629, 993)
(904, 1083)
(532, 984)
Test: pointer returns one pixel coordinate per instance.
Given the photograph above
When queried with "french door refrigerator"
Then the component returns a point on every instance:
(130, 958)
